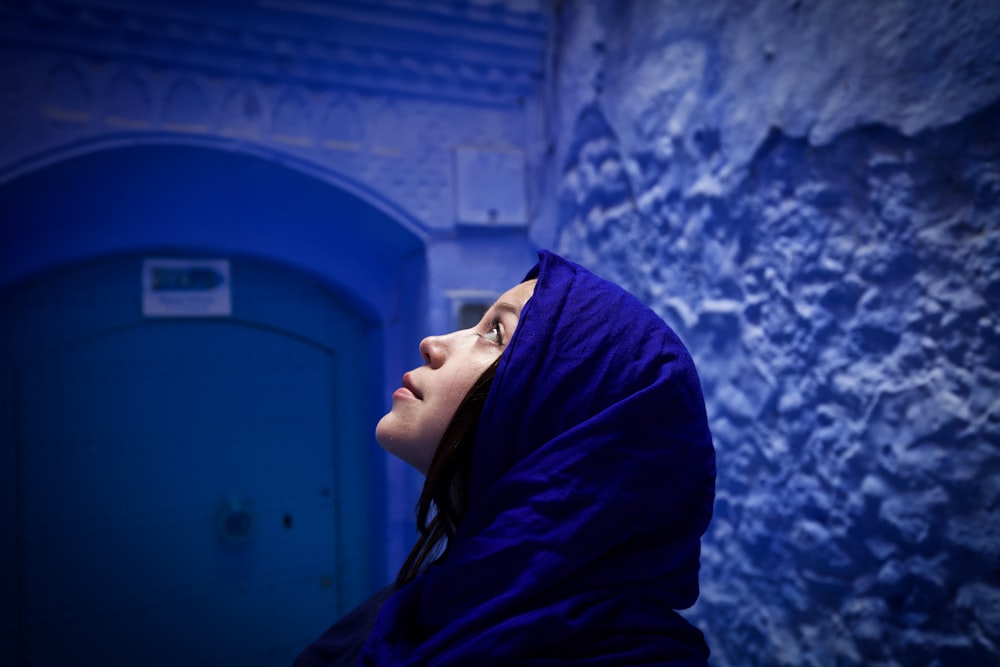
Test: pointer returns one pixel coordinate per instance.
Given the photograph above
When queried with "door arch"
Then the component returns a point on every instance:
(75, 234)
(122, 195)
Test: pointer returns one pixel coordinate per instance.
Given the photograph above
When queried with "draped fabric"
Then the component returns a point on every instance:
(592, 480)
(341, 644)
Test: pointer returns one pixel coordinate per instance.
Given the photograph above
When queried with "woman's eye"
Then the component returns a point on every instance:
(495, 333)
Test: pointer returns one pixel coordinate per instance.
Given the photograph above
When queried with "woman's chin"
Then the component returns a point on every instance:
(394, 441)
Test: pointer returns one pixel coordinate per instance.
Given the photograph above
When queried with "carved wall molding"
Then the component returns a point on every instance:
(402, 147)
(469, 52)
(385, 92)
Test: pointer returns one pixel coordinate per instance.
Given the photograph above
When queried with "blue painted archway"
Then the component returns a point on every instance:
(160, 199)
(123, 193)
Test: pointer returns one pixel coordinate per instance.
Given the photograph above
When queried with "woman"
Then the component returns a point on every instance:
(571, 485)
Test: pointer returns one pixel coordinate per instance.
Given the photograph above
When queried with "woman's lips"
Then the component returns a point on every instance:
(410, 387)
(403, 392)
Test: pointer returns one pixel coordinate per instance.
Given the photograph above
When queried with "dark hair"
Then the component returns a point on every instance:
(447, 483)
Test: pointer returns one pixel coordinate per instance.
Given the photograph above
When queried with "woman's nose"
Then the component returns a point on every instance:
(432, 349)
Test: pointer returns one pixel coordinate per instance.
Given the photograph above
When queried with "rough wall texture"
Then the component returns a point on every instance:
(837, 280)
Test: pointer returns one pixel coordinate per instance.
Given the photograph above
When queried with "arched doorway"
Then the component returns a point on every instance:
(191, 490)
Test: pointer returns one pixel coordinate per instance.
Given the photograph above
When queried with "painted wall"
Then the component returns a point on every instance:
(386, 150)
(410, 131)
(428, 111)
(809, 192)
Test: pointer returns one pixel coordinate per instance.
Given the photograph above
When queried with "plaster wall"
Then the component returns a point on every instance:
(427, 111)
(422, 118)
(809, 192)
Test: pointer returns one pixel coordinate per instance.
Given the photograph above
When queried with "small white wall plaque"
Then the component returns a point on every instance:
(490, 186)
(186, 288)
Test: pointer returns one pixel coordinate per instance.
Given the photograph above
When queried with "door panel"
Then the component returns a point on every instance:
(135, 442)
(182, 484)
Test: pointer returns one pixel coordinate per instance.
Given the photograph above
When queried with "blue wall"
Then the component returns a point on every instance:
(810, 194)
(808, 191)
(341, 147)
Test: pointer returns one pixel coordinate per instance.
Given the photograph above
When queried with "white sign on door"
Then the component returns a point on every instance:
(186, 288)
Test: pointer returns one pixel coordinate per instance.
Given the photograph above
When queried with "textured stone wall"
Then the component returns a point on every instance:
(835, 269)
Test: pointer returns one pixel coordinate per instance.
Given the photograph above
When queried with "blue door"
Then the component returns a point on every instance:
(190, 491)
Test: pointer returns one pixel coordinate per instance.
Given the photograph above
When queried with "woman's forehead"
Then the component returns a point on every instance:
(519, 294)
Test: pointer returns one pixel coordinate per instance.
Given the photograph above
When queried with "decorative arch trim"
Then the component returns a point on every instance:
(368, 195)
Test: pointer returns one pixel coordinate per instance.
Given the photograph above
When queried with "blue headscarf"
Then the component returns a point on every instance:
(592, 481)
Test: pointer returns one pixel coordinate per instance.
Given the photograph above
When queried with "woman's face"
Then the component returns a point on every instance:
(429, 397)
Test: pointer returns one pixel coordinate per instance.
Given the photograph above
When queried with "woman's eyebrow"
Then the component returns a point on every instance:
(507, 307)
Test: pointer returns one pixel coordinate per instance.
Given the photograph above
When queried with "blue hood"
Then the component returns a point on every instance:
(592, 481)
